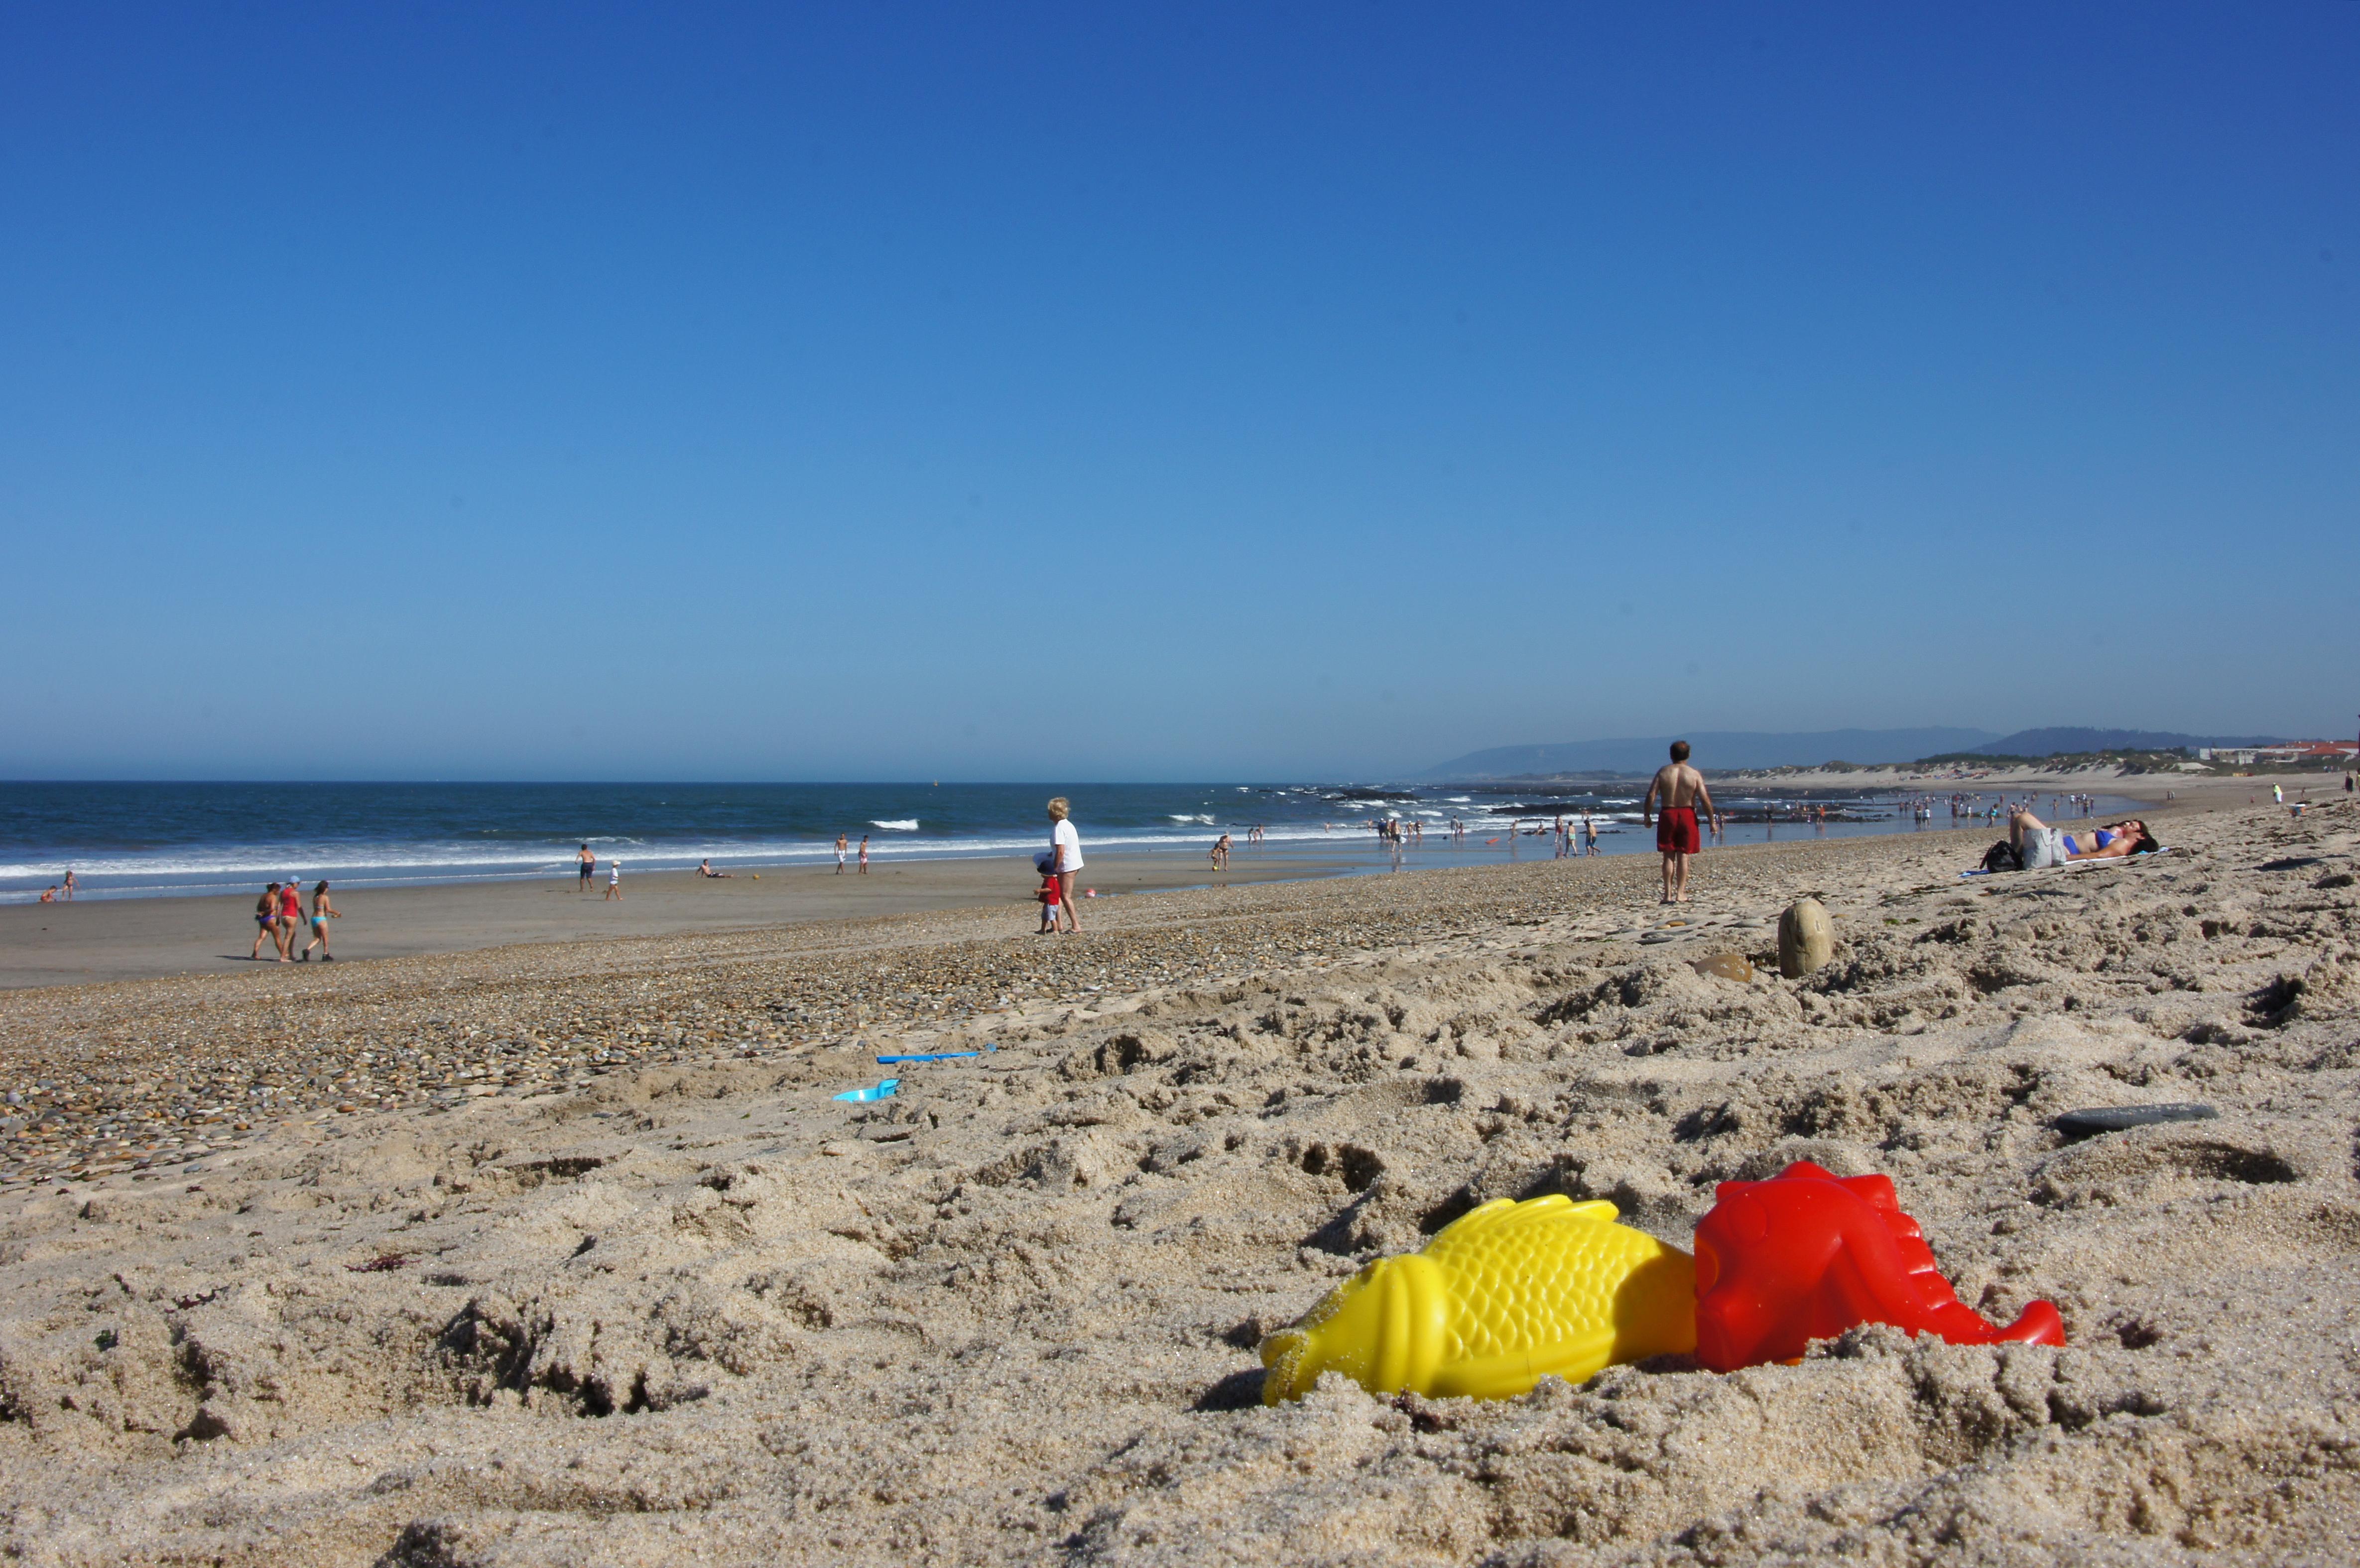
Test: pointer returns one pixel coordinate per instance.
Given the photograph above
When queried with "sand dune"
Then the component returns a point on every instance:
(671, 1302)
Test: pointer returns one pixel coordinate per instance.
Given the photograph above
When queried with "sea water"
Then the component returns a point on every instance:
(152, 839)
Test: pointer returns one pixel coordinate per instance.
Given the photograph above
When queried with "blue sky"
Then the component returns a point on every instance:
(704, 391)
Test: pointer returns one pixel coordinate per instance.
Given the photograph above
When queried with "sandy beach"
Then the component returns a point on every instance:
(561, 1252)
(128, 938)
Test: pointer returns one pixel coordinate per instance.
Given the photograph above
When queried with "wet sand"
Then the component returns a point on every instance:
(128, 938)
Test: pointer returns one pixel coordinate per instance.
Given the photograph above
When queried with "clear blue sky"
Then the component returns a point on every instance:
(701, 391)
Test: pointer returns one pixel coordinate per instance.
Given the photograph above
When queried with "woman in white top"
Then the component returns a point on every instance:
(1064, 856)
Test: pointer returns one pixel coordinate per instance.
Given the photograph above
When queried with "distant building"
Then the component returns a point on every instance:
(2293, 754)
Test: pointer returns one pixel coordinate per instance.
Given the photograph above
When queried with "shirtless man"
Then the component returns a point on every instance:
(1683, 788)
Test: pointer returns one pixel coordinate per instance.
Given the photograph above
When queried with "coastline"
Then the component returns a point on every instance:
(557, 1252)
(92, 940)
(2201, 791)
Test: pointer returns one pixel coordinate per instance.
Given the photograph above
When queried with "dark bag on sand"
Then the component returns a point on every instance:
(2003, 856)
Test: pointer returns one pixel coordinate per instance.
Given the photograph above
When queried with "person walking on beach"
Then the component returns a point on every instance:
(840, 847)
(585, 863)
(266, 920)
(322, 912)
(1064, 856)
(614, 883)
(290, 915)
(1682, 789)
(864, 855)
(1588, 833)
(70, 885)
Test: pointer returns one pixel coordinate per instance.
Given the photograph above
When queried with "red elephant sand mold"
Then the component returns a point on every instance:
(1807, 1255)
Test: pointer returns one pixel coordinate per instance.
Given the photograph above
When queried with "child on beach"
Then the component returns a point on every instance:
(1050, 895)
(614, 882)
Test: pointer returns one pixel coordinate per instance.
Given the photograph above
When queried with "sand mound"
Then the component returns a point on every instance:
(1010, 1313)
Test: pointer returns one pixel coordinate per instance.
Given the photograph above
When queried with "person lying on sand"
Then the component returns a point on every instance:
(2038, 845)
(704, 868)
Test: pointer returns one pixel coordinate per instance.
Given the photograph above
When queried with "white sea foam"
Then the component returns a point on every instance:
(215, 868)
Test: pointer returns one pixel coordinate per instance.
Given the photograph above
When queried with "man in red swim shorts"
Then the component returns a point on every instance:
(1676, 835)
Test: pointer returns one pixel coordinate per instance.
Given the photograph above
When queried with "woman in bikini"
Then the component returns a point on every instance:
(322, 912)
(266, 921)
(290, 915)
(2038, 845)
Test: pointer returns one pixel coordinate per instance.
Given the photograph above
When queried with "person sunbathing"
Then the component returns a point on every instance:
(704, 868)
(2039, 845)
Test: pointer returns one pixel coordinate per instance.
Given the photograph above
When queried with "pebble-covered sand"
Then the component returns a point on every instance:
(563, 1253)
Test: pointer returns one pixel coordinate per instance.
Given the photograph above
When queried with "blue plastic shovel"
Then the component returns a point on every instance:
(929, 1056)
(878, 1093)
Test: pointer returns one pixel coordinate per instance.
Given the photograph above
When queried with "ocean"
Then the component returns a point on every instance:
(125, 839)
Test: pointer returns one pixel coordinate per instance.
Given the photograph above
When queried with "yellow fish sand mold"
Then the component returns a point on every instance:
(1505, 1296)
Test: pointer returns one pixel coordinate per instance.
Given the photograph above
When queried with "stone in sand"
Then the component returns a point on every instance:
(1727, 965)
(2095, 1119)
(1805, 938)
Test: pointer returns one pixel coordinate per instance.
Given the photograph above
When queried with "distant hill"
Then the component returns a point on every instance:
(1714, 750)
(2051, 742)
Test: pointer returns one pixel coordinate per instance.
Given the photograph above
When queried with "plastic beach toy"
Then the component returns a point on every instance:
(1806, 1254)
(1506, 1295)
(929, 1056)
(877, 1093)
